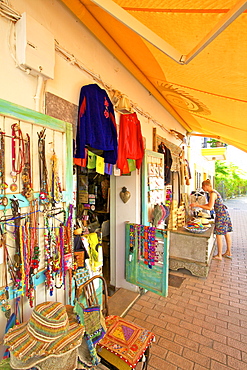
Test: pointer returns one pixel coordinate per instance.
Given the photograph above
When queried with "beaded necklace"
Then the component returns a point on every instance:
(16, 214)
(26, 173)
(132, 240)
(62, 266)
(145, 237)
(14, 276)
(48, 256)
(22, 258)
(56, 191)
(68, 248)
(17, 156)
(30, 252)
(35, 252)
(58, 252)
(151, 247)
(4, 299)
(3, 184)
(43, 173)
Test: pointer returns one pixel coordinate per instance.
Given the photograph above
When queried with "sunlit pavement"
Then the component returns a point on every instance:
(202, 324)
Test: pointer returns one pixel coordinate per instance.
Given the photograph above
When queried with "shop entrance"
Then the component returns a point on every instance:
(93, 212)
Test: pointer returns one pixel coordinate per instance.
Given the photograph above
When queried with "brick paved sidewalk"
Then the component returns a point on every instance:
(202, 324)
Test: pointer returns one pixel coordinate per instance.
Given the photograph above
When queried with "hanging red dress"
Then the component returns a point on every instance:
(130, 142)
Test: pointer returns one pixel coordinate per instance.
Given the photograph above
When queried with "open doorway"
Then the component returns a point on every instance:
(93, 211)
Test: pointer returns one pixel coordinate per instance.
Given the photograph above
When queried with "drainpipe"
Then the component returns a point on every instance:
(38, 92)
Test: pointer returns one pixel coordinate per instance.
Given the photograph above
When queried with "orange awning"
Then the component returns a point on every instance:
(191, 55)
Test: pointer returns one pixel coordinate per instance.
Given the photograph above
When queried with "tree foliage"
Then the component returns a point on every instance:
(229, 180)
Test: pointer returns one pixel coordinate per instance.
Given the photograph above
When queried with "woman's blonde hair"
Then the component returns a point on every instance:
(206, 182)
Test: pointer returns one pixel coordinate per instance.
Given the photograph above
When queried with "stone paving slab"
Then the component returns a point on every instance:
(203, 323)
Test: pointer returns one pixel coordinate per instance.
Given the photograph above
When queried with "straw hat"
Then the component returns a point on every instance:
(50, 331)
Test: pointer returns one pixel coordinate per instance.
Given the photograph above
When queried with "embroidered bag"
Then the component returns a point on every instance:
(95, 329)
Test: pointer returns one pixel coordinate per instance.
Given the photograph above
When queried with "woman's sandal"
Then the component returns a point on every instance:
(226, 256)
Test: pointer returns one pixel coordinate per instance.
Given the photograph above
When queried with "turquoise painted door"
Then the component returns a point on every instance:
(146, 263)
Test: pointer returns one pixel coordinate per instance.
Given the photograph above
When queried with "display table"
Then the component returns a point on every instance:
(193, 252)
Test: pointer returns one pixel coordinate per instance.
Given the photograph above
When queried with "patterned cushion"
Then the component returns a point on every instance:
(126, 340)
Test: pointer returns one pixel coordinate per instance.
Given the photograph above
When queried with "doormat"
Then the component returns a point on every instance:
(175, 281)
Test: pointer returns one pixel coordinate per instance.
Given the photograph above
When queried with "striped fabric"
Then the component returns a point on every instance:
(50, 330)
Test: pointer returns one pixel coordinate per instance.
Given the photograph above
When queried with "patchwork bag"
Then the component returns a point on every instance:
(95, 329)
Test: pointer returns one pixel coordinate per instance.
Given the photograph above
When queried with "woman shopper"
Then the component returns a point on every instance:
(223, 224)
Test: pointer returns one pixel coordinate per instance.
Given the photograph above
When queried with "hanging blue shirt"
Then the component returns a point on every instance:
(96, 126)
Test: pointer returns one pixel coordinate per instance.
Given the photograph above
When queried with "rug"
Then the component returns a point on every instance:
(175, 281)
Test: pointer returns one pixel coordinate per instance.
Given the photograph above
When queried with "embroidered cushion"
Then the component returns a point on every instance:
(124, 343)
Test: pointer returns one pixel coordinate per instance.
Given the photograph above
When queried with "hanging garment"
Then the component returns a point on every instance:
(187, 172)
(182, 168)
(94, 251)
(96, 125)
(167, 162)
(130, 144)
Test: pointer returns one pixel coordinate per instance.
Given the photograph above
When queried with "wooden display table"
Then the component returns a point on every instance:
(193, 252)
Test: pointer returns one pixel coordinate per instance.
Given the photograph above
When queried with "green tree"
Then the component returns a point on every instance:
(229, 180)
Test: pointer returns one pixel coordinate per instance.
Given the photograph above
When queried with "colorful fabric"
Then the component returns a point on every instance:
(79, 259)
(86, 359)
(94, 323)
(125, 339)
(223, 222)
(50, 330)
(95, 251)
(100, 165)
(131, 165)
(130, 143)
(95, 329)
(92, 350)
(108, 168)
(96, 124)
(5, 364)
(81, 276)
(93, 320)
(91, 160)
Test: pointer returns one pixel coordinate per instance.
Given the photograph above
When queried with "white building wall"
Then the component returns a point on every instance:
(197, 162)
(20, 88)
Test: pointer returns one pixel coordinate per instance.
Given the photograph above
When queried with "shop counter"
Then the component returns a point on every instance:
(193, 252)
